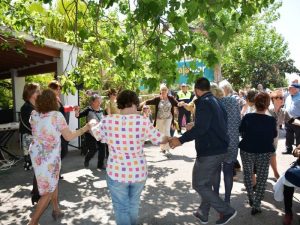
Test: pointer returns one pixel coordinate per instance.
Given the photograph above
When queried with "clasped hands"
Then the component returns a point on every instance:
(173, 141)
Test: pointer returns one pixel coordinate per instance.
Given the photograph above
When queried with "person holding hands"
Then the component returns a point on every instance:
(93, 111)
(48, 125)
(125, 134)
(211, 143)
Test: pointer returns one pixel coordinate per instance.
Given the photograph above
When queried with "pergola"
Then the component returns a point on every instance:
(31, 61)
(52, 56)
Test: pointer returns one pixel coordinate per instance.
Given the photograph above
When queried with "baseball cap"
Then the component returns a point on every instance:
(183, 84)
(295, 85)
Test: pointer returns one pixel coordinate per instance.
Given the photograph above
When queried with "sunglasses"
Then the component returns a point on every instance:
(281, 98)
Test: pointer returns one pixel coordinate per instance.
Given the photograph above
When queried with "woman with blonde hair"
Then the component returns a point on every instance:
(277, 112)
(48, 125)
(164, 113)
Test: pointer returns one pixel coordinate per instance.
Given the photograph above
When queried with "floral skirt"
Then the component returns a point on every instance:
(46, 165)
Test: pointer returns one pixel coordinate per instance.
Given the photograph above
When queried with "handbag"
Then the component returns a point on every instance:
(293, 173)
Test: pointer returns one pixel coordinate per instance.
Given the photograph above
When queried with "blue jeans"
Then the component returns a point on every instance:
(126, 200)
(228, 170)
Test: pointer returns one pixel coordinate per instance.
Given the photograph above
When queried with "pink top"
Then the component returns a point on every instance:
(125, 136)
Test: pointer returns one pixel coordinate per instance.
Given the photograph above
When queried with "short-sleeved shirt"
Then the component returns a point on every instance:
(292, 105)
(279, 116)
(46, 147)
(125, 136)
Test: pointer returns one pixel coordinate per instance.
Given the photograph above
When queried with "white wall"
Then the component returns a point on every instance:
(18, 86)
(66, 62)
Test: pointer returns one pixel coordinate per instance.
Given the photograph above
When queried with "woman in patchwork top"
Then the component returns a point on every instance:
(164, 113)
(125, 134)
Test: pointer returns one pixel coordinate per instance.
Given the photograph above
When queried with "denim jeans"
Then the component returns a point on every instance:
(228, 171)
(126, 200)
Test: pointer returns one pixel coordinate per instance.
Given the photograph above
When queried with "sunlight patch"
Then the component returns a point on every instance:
(100, 184)
(72, 177)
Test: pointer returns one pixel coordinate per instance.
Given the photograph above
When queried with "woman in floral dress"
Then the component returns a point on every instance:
(48, 125)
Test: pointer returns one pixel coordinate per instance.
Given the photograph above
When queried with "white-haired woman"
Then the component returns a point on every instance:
(164, 113)
(231, 106)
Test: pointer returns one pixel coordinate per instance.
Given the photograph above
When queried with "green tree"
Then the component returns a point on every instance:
(260, 56)
(129, 43)
(6, 100)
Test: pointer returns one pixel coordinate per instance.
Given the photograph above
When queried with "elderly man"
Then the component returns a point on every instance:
(211, 143)
(93, 111)
(292, 112)
(183, 97)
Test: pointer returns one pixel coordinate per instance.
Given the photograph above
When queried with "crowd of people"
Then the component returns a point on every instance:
(224, 121)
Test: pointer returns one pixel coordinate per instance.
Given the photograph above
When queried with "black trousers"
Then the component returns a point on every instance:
(183, 112)
(292, 131)
(64, 148)
(288, 193)
(93, 146)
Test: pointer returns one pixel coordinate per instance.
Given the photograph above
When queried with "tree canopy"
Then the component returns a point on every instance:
(127, 43)
(260, 56)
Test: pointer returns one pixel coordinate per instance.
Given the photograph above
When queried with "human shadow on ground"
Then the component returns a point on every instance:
(174, 157)
(85, 199)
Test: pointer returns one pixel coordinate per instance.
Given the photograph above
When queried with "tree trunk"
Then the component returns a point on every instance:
(217, 73)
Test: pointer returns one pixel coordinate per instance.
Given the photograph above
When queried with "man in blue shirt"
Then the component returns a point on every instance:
(292, 112)
(211, 143)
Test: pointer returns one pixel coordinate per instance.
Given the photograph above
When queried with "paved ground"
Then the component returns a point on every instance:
(167, 199)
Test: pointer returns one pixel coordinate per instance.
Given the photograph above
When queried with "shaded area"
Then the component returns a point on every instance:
(167, 199)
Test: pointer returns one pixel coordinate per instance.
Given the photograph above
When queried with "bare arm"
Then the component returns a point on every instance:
(244, 109)
(68, 134)
(108, 110)
(142, 104)
(189, 107)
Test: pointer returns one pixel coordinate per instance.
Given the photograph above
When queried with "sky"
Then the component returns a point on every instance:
(289, 26)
